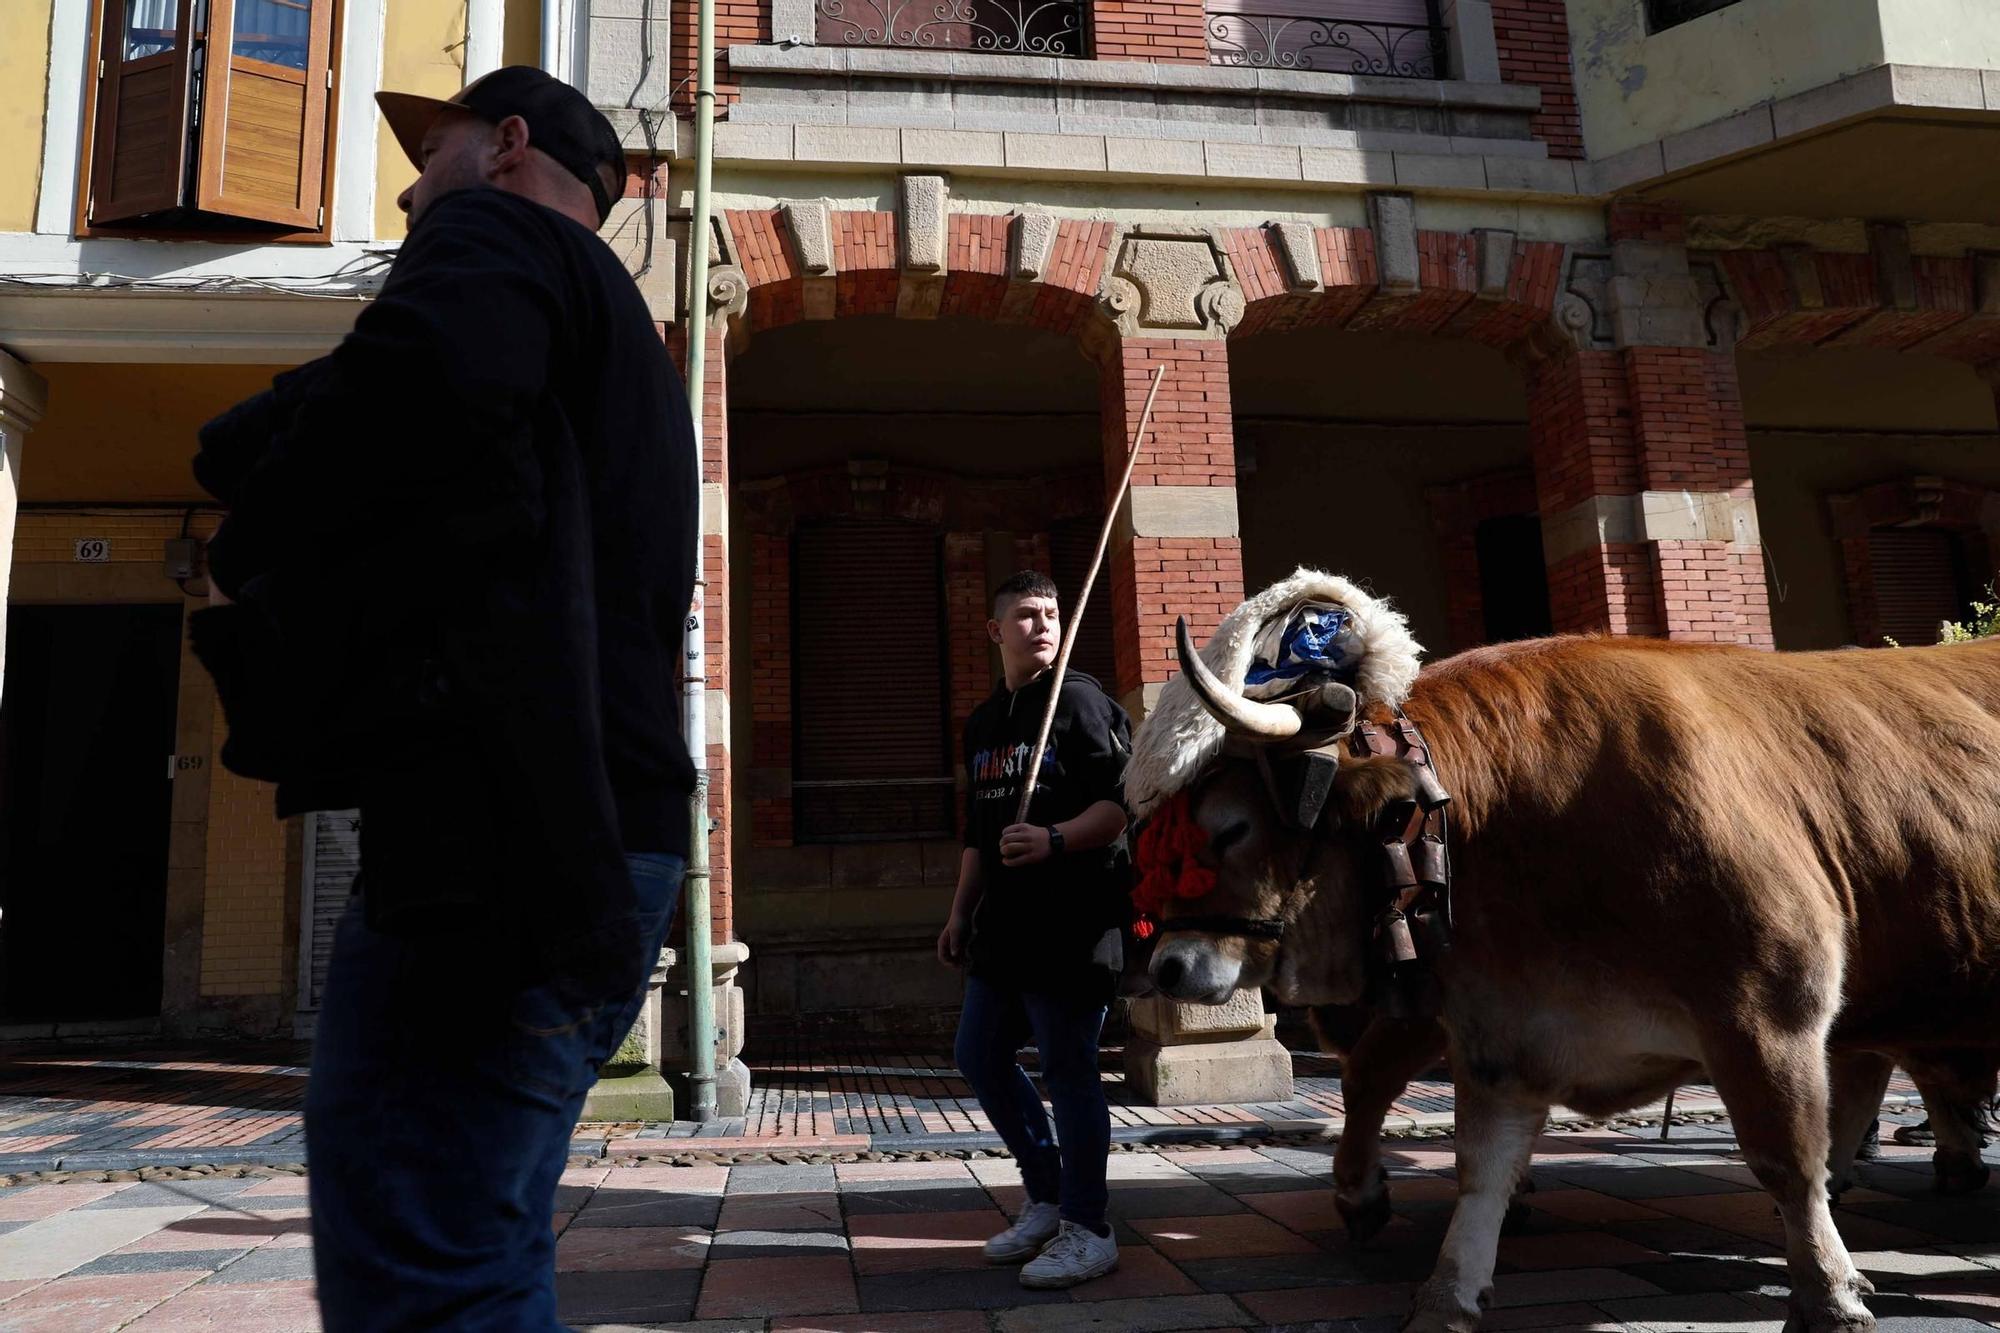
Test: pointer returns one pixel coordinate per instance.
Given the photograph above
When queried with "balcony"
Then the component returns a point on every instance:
(1402, 39)
(1762, 107)
(1001, 27)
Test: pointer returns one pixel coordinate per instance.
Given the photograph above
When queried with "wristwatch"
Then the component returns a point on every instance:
(1055, 841)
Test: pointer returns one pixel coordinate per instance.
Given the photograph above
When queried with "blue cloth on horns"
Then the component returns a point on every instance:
(1314, 639)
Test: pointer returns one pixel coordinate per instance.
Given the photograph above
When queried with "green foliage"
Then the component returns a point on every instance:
(1985, 621)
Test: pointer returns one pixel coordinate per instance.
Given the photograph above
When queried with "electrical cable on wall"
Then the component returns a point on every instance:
(362, 267)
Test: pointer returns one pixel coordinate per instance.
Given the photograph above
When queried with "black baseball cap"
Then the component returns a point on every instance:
(561, 122)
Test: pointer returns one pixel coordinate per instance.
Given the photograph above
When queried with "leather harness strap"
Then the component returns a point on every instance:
(1414, 924)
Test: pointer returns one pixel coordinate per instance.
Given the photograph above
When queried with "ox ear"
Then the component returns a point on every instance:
(1375, 794)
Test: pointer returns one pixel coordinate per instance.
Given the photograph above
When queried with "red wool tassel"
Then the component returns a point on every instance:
(1168, 861)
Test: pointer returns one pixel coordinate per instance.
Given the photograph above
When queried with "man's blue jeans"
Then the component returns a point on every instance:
(438, 1120)
(993, 1026)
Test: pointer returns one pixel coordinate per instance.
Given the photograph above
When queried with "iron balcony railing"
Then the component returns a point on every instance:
(1401, 39)
(1006, 27)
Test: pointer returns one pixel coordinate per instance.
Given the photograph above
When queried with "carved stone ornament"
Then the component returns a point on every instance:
(1170, 283)
(728, 292)
(1583, 311)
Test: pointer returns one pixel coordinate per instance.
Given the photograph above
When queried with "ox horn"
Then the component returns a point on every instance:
(1246, 717)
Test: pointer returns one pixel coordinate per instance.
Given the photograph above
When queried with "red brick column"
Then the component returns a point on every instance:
(1166, 31)
(1579, 425)
(1643, 478)
(1687, 414)
(1180, 553)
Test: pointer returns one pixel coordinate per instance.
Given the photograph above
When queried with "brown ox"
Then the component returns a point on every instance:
(1380, 1055)
(1669, 859)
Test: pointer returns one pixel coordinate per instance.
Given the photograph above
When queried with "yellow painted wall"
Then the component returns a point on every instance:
(423, 51)
(24, 91)
(127, 432)
(1635, 88)
(1954, 34)
(243, 936)
(522, 44)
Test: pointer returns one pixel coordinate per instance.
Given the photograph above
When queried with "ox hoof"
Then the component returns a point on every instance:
(1366, 1216)
(1437, 1309)
(1830, 1322)
(1958, 1173)
(1441, 1321)
(1843, 1311)
(1436, 1321)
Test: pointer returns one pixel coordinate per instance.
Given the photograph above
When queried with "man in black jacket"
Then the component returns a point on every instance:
(456, 567)
(1038, 924)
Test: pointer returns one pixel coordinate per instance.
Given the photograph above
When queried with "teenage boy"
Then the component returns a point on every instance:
(1038, 925)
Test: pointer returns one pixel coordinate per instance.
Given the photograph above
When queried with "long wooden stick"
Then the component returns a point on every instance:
(1082, 597)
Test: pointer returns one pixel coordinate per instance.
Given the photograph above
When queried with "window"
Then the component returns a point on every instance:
(1664, 14)
(1919, 578)
(871, 756)
(211, 115)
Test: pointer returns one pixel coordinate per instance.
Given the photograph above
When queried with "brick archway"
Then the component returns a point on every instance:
(1884, 299)
(816, 263)
(809, 262)
(1489, 287)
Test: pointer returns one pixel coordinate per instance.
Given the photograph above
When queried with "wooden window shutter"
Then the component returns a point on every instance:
(264, 113)
(1071, 544)
(1917, 582)
(871, 757)
(139, 154)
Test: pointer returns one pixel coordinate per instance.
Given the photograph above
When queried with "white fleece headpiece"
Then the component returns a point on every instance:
(1178, 738)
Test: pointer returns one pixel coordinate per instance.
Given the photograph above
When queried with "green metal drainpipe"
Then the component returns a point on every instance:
(700, 969)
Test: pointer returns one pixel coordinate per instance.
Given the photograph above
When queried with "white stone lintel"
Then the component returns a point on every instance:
(1184, 511)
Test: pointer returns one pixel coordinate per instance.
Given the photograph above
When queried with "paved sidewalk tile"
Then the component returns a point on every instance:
(1183, 1239)
(55, 1245)
(269, 1265)
(983, 1289)
(762, 1288)
(91, 1304)
(1302, 1305)
(933, 1321)
(780, 1212)
(657, 1296)
(1160, 1313)
(728, 1244)
(901, 1243)
(159, 1261)
(268, 1307)
(1142, 1271)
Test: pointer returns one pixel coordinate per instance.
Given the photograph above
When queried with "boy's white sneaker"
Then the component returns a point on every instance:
(1035, 1228)
(1077, 1254)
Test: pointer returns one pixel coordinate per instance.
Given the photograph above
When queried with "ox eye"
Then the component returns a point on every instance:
(1228, 838)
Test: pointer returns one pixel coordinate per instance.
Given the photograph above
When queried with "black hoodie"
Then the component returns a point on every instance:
(1042, 927)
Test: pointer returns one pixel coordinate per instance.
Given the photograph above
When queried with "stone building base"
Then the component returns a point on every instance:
(1196, 1054)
